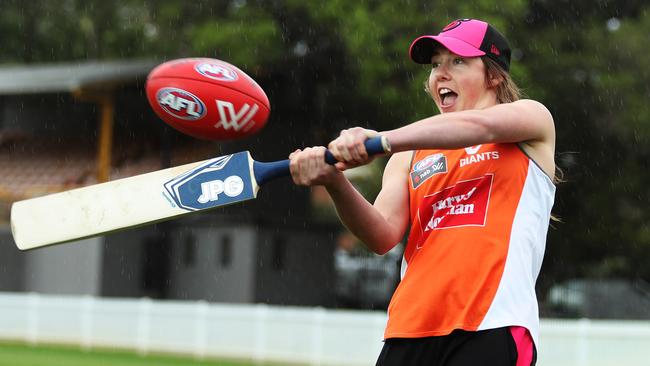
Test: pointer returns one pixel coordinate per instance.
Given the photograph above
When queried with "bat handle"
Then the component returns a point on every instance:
(374, 146)
(265, 172)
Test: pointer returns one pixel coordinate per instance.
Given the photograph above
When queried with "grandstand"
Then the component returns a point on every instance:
(69, 125)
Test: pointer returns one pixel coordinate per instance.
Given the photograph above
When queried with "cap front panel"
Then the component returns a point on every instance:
(470, 31)
(458, 47)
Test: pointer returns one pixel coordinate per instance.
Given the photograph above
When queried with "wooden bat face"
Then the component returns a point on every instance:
(134, 201)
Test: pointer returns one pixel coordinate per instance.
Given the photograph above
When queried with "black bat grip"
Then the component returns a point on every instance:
(265, 172)
(374, 146)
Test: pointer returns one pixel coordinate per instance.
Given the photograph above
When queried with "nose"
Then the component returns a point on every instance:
(441, 73)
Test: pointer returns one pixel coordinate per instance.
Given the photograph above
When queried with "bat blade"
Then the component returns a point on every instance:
(157, 196)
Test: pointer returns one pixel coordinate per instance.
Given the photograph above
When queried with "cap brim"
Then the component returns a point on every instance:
(422, 48)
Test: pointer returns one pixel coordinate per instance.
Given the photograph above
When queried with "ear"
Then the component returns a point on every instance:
(494, 80)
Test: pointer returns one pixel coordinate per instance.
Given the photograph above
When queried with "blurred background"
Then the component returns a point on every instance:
(73, 112)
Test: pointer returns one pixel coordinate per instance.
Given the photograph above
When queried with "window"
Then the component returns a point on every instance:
(278, 247)
(189, 250)
(224, 254)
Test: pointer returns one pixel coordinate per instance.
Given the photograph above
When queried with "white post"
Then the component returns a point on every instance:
(33, 304)
(380, 324)
(87, 305)
(261, 315)
(144, 310)
(317, 336)
(583, 342)
(201, 330)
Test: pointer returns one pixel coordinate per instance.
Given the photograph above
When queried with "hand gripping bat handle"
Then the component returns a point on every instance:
(374, 146)
(265, 172)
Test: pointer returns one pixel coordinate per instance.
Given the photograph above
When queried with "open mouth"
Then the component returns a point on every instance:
(447, 96)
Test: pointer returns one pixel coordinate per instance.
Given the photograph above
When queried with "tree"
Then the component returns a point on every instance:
(334, 64)
(594, 77)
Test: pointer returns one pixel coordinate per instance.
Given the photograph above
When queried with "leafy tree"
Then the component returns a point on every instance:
(328, 65)
(593, 75)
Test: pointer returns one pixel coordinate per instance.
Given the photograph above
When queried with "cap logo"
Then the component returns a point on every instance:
(495, 50)
(454, 24)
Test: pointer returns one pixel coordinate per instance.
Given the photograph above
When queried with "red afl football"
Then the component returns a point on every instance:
(207, 98)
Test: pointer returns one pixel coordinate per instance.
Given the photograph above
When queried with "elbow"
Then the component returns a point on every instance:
(484, 126)
(385, 249)
(390, 235)
(384, 246)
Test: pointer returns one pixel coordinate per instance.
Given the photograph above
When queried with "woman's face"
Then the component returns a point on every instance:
(458, 83)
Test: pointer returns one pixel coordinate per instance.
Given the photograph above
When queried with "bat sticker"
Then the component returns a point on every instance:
(215, 183)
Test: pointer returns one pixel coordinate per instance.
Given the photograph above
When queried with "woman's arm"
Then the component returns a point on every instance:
(380, 226)
(526, 122)
(520, 121)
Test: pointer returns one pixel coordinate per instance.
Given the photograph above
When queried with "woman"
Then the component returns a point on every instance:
(473, 187)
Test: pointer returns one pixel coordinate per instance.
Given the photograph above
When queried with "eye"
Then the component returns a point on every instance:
(459, 61)
(435, 64)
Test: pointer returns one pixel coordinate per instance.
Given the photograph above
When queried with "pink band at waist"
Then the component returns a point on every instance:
(525, 346)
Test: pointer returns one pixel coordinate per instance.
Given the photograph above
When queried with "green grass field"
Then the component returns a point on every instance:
(18, 354)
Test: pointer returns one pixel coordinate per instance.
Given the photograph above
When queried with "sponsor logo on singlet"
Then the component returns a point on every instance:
(475, 157)
(462, 204)
(427, 168)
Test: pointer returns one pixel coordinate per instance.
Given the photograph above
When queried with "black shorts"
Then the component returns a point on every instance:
(493, 347)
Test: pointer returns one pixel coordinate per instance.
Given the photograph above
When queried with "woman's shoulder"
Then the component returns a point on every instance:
(532, 106)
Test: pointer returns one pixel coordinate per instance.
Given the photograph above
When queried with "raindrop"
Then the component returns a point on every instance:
(613, 24)
(238, 4)
(150, 30)
(580, 76)
(300, 49)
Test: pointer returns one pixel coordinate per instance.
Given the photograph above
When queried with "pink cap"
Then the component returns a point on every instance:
(464, 37)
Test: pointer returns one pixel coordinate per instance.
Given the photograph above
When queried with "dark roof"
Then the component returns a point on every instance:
(72, 76)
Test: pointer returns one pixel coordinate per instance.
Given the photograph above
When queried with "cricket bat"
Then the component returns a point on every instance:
(144, 199)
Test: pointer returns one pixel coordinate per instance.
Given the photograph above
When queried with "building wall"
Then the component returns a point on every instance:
(65, 269)
(213, 263)
(296, 266)
(71, 269)
(123, 262)
(12, 262)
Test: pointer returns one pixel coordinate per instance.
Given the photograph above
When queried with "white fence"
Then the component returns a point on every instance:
(312, 336)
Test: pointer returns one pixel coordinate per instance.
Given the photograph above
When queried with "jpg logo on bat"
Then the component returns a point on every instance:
(216, 182)
(232, 186)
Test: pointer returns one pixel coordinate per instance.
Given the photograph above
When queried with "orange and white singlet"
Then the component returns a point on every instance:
(479, 218)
